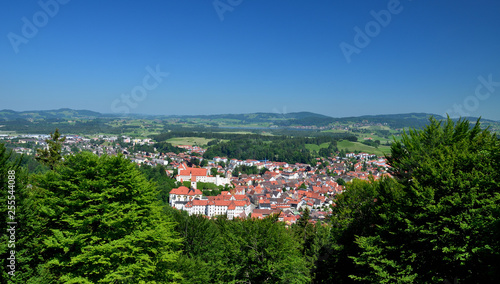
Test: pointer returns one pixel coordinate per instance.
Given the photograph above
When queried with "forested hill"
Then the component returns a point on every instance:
(21, 121)
(278, 119)
(63, 113)
(394, 120)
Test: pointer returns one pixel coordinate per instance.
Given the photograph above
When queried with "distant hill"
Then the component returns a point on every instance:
(395, 120)
(63, 113)
(278, 119)
(282, 120)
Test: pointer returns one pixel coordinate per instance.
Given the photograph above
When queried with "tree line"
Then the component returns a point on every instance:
(280, 149)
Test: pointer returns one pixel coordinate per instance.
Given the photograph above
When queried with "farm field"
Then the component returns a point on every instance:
(316, 148)
(357, 146)
(198, 141)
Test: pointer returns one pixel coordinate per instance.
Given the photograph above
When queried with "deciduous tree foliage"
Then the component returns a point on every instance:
(102, 224)
(450, 174)
(313, 243)
(239, 251)
(439, 222)
(265, 252)
(356, 214)
(159, 177)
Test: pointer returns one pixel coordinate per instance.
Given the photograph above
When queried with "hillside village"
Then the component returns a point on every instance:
(279, 188)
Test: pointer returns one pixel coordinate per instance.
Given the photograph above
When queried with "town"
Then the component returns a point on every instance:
(246, 188)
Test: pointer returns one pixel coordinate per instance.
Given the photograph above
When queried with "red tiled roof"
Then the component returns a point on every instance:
(193, 172)
(182, 190)
(197, 202)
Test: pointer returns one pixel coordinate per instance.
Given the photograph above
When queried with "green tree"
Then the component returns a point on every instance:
(353, 215)
(341, 181)
(443, 225)
(11, 189)
(194, 162)
(103, 223)
(28, 222)
(238, 251)
(51, 155)
(201, 260)
(204, 163)
(312, 238)
(158, 176)
(264, 251)
(450, 173)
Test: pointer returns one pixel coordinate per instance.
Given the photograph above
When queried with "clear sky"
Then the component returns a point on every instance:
(338, 58)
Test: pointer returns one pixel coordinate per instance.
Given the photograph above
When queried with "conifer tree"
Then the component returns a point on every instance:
(51, 155)
(103, 224)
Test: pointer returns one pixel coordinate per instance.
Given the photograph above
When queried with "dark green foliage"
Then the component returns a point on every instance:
(159, 177)
(102, 223)
(450, 172)
(165, 147)
(208, 185)
(239, 251)
(354, 215)
(288, 150)
(29, 163)
(341, 181)
(330, 151)
(414, 120)
(438, 221)
(372, 143)
(274, 148)
(51, 156)
(194, 162)
(10, 201)
(245, 170)
(203, 163)
(313, 242)
(29, 224)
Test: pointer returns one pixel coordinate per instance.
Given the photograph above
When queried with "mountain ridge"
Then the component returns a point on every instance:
(303, 118)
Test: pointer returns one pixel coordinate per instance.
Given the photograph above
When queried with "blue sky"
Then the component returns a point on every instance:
(242, 56)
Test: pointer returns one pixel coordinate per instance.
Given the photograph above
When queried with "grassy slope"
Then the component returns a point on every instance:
(199, 141)
(315, 148)
(357, 146)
